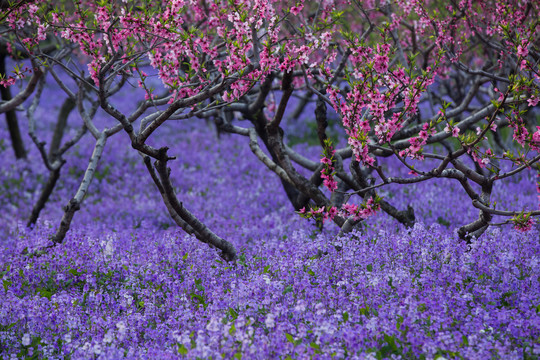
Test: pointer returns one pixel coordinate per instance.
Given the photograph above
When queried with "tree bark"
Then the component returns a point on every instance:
(61, 123)
(11, 117)
(75, 203)
(44, 196)
(182, 216)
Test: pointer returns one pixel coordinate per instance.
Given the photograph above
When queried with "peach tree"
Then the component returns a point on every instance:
(450, 89)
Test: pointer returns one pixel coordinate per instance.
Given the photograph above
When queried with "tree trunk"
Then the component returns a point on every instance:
(11, 117)
(60, 127)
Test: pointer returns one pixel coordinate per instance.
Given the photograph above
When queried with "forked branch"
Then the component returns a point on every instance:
(182, 216)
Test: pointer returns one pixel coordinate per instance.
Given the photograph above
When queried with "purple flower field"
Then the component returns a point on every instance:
(127, 283)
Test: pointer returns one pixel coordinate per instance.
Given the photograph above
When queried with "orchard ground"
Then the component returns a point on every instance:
(128, 283)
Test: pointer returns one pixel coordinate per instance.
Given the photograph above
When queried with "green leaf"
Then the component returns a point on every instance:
(465, 341)
(6, 284)
(290, 338)
(233, 313)
(182, 349)
(75, 272)
(36, 341)
(45, 293)
(198, 285)
(399, 322)
(443, 221)
(288, 289)
(365, 311)
(242, 259)
(390, 280)
(369, 268)
(7, 327)
(345, 316)
(391, 341)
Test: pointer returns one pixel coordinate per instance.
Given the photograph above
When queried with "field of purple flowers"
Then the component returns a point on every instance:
(128, 283)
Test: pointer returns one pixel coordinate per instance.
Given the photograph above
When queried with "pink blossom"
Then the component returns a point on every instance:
(536, 136)
(533, 101)
(332, 212)
(520, 135)
(7, 82)
(349, 209)
(326, 160)
(522, 51)
(296, 9)
(41, 34)
(524, 226)
(331, 184)
(381, 63)
(416, 145)
(368, 160)
(32, 9)
(94, 68)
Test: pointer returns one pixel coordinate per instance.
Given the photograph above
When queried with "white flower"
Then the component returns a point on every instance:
(26, 339)
(108, 245)
(121, 326)
(270, 323)
(327, 328)
(319, 309)
(240, 321)
(213, 325)
(129, 299)
(108, 338)
(109, 248)
(300, 306)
